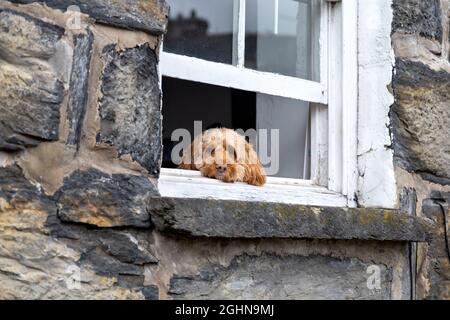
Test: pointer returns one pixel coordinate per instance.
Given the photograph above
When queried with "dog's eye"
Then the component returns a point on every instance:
(213, 152)
(209, 151)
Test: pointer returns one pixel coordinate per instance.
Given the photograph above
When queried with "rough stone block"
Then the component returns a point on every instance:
(115, 254)
(31, 93)
(130, 107)
(147, 15)
(284, 277)
(420, 120)
(95, 198)
(39, 253)
(418, 16)
(23, 36)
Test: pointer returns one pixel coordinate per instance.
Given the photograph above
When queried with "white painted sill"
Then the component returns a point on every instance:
(178, 183)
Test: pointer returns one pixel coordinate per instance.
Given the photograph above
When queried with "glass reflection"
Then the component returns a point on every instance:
(279, 36)
(201, 29)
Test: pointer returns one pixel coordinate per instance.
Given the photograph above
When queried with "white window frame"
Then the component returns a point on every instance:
(333, 126)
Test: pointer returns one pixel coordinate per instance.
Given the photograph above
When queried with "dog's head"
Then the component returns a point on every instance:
(222, 155)
(225, 155)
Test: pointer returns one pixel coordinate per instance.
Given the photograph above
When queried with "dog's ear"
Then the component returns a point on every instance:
(255, 174)
(251, 157)
(254, 171)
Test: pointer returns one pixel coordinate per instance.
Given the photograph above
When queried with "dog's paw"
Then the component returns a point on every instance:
(255, 175)
(186, 166)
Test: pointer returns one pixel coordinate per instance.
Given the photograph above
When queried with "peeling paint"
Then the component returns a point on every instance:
(376, 179)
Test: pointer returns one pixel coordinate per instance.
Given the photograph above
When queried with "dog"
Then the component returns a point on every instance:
(225, 155)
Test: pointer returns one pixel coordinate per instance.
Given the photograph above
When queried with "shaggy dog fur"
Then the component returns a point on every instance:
(225, 155)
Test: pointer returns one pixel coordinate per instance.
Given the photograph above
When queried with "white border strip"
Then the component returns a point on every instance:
(239, 33)
(190, 184)
(350, 100)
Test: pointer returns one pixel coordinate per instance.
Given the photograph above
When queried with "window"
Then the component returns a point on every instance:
(289, 65)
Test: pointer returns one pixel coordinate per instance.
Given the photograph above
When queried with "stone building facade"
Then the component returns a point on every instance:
(81, 215)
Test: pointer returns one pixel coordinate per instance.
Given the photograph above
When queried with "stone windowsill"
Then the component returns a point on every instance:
(242, 219)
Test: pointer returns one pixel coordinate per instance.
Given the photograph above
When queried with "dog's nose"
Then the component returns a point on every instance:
(221, 168)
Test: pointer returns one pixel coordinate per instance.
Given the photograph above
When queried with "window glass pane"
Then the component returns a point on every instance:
(282, 124)
(201, 29)
(281, 36)
(291, 119)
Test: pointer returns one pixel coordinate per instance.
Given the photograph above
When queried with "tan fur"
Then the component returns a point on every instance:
(225, 148)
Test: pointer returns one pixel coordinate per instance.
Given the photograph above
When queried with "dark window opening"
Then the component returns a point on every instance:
(185, 102)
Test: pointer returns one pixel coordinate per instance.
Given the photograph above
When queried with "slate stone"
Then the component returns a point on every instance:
(79, 85)
(241, 219)
(130, 281)
(289, 277)
(420, 119)
(31, 94)
(150, 292)
(130, 107)
(95, 198)
(18, 192)
(146, 15)
(121, 247)
(418, 16)
(104, 265)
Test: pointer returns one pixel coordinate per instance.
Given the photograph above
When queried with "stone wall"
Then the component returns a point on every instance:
(80, 154)
(420, 122)
(80, 147)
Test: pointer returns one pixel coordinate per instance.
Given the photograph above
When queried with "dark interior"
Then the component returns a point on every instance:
(186, 101)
